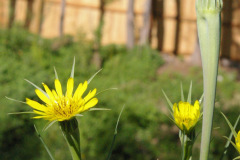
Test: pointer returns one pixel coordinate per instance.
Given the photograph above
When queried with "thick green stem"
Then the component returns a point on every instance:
(187, 141)
(187, 149)
(71, 133)
(209, 31)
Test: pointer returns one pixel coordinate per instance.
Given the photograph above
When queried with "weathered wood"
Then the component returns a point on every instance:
(177, 32)
(83, 16)
(130, 24)
(29, 14)
(41, 16)
(146, 23)
(96, 60)
(227, 29)
(12, 9)
(61, 25)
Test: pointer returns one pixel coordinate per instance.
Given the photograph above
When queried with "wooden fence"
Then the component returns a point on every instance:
(173, 22)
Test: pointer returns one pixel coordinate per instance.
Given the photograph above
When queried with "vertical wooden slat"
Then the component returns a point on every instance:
(41, 16)
(61, 24)
(83, 16)
(145, 31)
(130, 24)
(12, 8)
(29, 14)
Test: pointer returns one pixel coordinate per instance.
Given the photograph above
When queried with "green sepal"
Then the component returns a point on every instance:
(170, 105)
(56, 75)
(11, 99)
(182, 95)
(99, 109)
(229, 140)
(106, 90)
(90, 79)
(238, 157)
(73, 67)
(229, 137)
(37, 87)
(190, 93)
(30, 112)
(230, 126)
(48, 125)
(201, 99)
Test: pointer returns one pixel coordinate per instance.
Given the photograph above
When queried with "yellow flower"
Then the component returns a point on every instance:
(237, 141)
(60, 107)
(186, 115)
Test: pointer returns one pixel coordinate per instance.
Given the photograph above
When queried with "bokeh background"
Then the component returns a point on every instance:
(143, 46)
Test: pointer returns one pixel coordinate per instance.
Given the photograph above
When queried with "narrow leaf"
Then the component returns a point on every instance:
(182, 95)
(37, 87)
(73, 66)
(115, 134)
(119, 119)
(93, 76)
(169, 102)
(230, 125)
(45, 146)
(190, 93)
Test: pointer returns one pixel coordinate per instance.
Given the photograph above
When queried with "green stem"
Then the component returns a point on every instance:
(187, 141)
(187, 150)
(209, 31)
(71, 133)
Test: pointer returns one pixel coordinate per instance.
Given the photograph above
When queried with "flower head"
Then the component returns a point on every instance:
(237, 141)
(59, 106)
(186, 115)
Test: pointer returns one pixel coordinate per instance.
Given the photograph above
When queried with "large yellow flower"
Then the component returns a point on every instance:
(60, 107)
(186, 115)
(237, 141)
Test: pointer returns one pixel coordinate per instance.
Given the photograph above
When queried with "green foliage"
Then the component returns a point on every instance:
(144, 132)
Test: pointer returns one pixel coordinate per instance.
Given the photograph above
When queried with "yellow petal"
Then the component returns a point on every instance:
(196, 105)
(42, 96)
(38, 112)
(69, 87)
(48, 92)
(38, 117)
(90, 95)
(80, 90)
(55, 94)
(35, 105)
(90, 104)
(58, 87)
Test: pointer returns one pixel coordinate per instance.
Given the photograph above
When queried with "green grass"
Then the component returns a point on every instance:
(144, 130)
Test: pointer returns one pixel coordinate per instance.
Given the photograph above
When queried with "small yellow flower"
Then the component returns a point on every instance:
(60, 107)
(237, 141)
(186, 115)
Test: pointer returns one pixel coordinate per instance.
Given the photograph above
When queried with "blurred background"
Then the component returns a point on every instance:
(143, 46)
